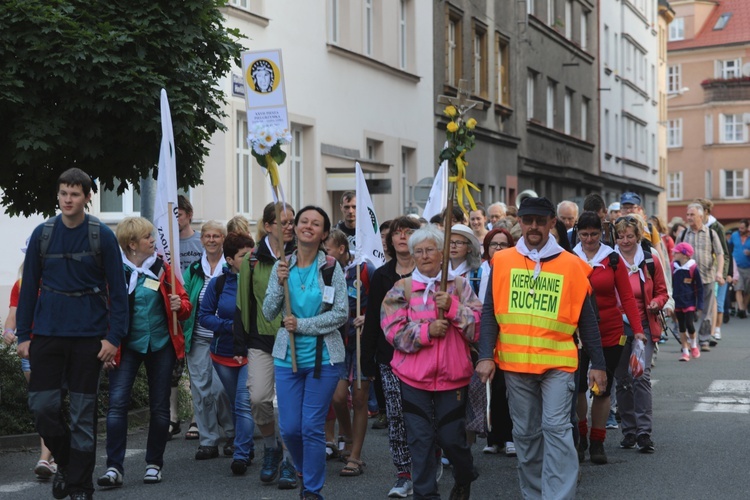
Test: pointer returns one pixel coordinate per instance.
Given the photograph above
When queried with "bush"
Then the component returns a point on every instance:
(15, 416)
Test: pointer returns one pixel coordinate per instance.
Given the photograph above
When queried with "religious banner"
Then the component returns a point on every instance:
(265, 92)
(369, 242)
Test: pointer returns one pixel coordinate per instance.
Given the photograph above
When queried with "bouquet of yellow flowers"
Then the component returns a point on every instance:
(461, 140)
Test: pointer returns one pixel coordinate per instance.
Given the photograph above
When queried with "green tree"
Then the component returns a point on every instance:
(80, 83)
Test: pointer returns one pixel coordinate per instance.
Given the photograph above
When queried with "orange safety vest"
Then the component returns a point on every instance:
(536, 328)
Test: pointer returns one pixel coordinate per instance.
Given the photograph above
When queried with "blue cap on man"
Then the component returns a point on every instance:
(630, 197)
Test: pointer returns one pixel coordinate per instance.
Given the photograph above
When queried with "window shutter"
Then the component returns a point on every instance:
(709, 129)
(722, 129)
(717, 69)
(722, 184)
(745, 177)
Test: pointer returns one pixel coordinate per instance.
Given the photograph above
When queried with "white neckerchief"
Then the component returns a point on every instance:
(429, 282)
(685, 267)
(270, 248)
(144, 269)
(711, 220)
(207, 267)
(550, 249)
(601, 254)
(349, 266)
(636, 265)
(462, 269)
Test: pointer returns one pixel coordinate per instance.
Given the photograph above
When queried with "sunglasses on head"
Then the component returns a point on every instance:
(626, 218)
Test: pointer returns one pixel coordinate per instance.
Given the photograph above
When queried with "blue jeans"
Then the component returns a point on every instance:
(721, 297)
(234, 380)
(303, 406)
(159, 367)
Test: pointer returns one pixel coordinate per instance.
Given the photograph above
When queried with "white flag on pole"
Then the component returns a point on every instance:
(166, 192)
(369, 246)
(438, 199)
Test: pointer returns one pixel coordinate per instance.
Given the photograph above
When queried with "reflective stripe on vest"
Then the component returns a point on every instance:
(536, 329)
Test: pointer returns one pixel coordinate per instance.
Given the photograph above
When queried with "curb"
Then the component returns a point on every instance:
(19, 442)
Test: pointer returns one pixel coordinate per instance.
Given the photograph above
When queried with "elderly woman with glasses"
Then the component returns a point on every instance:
(465, 255)
(433, 362)
(609, 279)
(650, 290)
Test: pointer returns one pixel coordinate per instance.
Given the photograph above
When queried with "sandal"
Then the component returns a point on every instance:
(332, 450)
(174, 429)
(153, 474)
(350, 470)
(192, 432)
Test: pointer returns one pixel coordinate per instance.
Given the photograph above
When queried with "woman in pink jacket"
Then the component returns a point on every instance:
(433, 362)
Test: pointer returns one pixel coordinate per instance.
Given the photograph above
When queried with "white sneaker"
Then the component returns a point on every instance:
(510, 449)
(402, 489)
(717, 334)
(491, 449)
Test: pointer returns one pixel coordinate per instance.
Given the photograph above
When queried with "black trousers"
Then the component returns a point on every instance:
(71, 363)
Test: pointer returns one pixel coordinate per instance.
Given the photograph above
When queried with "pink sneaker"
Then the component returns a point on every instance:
(696, 353)
(685, 356)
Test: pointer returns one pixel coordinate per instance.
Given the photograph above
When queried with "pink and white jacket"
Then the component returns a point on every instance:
(431, 364)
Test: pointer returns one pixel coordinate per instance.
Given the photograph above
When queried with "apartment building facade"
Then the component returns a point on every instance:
(709, 79)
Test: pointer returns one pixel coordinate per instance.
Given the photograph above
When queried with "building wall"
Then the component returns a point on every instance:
(553, 161)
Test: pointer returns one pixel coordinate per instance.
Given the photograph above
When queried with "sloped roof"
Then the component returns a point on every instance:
(737, 30)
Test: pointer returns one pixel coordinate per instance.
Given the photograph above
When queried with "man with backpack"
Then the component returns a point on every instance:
(75, 296)
(709, 255)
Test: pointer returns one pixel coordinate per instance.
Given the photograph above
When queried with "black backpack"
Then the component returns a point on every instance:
(648, 261)
(95, 243)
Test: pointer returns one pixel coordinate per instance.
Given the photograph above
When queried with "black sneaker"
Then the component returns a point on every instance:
(229, 448)
(628, 442)
(239, 467)
(645, 445)
(60, 483)
(381, 421)
(461, 492)
(206, 452)
(742, 314)
(597, 453)
(583, 445)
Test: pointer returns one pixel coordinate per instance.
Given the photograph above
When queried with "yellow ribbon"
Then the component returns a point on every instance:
(462, 184)
(273, 171)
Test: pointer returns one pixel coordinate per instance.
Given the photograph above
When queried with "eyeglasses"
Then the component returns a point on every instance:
(495, 244)
(456, 243)
(424, 252)
(404, 233)
(288, 223)
(528, 220)
(212, 236)
(626, 218)
(593, 234)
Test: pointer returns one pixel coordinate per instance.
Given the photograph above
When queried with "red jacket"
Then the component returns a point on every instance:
(608, 285)
(655, 288)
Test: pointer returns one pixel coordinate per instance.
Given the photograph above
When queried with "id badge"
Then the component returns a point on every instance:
(151, 284)
(328, 294)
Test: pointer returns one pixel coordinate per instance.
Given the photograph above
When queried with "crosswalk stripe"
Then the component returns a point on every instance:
(726, 396)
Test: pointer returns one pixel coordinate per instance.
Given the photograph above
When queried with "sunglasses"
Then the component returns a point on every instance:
(627, 219)
(528, 220)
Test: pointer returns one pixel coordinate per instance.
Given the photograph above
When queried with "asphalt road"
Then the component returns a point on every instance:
(701, 417)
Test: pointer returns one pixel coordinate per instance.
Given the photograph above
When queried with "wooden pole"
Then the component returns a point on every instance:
(172, 250)
(447, 222)
(287, 302)
(359, 330)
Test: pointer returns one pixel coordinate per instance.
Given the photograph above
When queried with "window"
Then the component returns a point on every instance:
(374, 150)
(674, 133)
(709, 129)
(606, 55)
(551, 88)
(453, 40)
(733, 182)
(566, 110)
(296, 166)
(503, 70)
(334, 22)
(244, 167)
(568, 19)
(368, 27)
(674, 79)
(709, 183)
(551, 12)
(606, 131)
(733, 129)
(722, 21)
(529, 6)
(530, 90)
(120, 205)
(407, 162)
(677, 29)
(674, 186)
(584, 30)
(402, 39)
(585, 119)
(480, 62)
(728, 69)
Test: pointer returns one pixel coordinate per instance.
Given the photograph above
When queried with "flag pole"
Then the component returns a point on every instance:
(359, 328)
(287, 299)
(447, 223)
(170, 208)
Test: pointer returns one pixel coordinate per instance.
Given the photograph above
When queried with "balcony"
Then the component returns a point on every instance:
(730, 89)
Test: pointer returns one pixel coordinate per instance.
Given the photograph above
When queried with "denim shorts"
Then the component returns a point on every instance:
(348, 369)
(25, 365)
